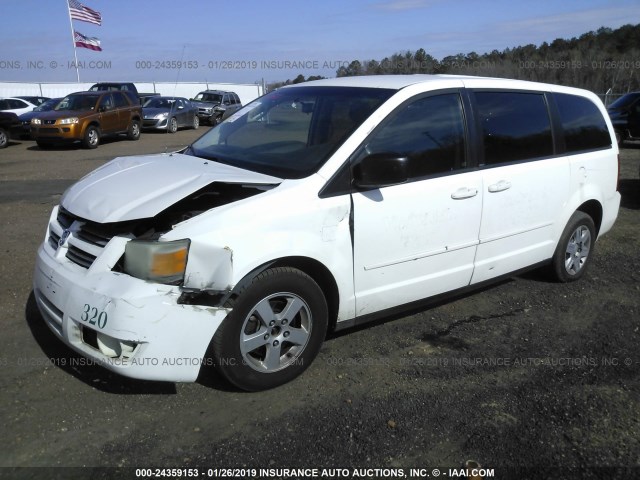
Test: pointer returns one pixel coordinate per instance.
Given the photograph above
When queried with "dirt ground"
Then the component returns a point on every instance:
(530, 378)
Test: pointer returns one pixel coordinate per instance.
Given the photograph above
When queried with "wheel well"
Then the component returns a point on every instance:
(320, 274)
(594, 210)
(91, 124)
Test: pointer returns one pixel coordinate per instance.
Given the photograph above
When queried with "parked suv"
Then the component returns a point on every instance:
(86, 117)
(625, 116)
(320, 206)
(216, 105)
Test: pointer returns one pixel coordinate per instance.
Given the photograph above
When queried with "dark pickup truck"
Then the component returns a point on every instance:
(128, 88)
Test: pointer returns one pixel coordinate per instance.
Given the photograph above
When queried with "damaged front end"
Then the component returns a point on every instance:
(140, 296)
(196, 267)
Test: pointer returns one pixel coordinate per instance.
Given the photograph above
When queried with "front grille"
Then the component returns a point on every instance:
(54, 238)
(149, 123)
(49, 122)
(94, 235)
(80, 257)
(87, 239)
(65, 219)
(48, 130)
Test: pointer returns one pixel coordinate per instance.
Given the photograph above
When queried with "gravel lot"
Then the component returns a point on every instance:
(530, 378)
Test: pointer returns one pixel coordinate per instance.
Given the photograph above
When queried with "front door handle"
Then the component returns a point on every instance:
(501, 186)
(464, 192)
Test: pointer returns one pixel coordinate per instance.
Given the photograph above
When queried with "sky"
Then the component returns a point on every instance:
(223, 41)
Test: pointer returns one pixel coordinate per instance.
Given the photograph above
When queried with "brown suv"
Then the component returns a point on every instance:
(86, 117)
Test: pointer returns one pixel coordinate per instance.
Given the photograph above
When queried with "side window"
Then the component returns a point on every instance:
(120, 101)
(583, 125)
(515, 126)
(429, 131)
(106, 103)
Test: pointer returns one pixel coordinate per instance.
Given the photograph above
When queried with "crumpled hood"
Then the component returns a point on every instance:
(205, 104)
(129, 188)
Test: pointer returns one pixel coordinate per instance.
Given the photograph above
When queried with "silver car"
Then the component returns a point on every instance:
(169, 114)
(216, 105)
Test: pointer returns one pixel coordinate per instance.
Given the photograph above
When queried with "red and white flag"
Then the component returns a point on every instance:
(92, 43)
(84, 14)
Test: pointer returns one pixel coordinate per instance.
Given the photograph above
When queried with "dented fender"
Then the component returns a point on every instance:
(209, 267)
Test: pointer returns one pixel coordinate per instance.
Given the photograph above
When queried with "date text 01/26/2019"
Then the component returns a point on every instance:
(238, 64)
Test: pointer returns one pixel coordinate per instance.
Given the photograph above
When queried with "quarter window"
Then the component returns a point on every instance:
(583, 125)
(515, 126)
(429, 132)
(120, 100)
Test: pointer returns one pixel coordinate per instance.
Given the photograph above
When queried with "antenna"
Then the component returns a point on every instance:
(173, 106)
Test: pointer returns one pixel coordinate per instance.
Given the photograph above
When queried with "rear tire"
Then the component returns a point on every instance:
(575, 249)
(274, 331)
(4, 138)
(196, 122)
(133, 132)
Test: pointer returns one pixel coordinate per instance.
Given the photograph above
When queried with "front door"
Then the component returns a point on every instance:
(109, 121)
(418, 239)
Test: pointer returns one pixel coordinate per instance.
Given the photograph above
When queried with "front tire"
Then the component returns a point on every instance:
(274, 331)
(173, 125)
(91, 138)
(575, 249)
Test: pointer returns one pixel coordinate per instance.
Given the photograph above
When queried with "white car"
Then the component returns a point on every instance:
(320, 206)
(16, 105)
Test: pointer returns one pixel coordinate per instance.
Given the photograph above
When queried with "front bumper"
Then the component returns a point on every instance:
(129, 326)
(58, 133)
(154, 123)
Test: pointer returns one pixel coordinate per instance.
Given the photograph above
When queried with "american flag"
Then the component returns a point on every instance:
(92, 43)
(84, 14)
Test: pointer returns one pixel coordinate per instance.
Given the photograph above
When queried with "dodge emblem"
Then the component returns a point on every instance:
(64, 237)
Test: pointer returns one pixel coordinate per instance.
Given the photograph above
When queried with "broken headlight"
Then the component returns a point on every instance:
(162, 262)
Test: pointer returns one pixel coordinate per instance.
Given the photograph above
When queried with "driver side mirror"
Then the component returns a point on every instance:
(380, 170)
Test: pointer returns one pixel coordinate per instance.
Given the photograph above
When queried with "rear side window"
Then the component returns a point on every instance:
(583, 125)
(429, 132)
(515, 126)
(120, 100)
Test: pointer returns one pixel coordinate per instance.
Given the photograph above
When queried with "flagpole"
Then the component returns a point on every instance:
(73, 40)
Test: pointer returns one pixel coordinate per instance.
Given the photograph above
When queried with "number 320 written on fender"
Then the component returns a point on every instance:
(93, 316)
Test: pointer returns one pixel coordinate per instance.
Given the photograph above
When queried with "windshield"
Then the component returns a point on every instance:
(78, 102)
(209, 97)
(291, 132)
(625, 100)
(159, 102)
(48, 105)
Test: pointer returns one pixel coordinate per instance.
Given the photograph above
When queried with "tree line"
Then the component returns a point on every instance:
(600, 61)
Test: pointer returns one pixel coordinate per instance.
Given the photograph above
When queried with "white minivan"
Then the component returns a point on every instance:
(317, 207)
